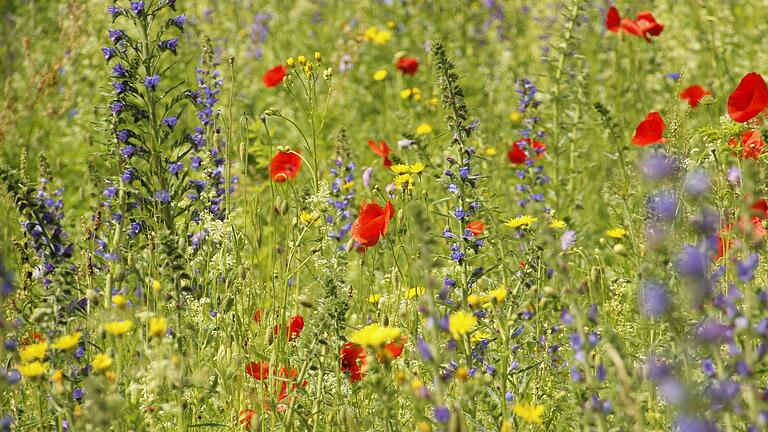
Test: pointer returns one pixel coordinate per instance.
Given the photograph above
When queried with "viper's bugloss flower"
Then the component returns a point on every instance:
(654, 299)
(178, 21)
(285, 165)
(170, 122)
(169, 45)
(273, 77)
(371, 223)
(650, 130)
(137, 7)
(407, 65)
(694, 94)
(748, 99)
(658, 166)
(151, 82)
(109, 53)
(119, 71)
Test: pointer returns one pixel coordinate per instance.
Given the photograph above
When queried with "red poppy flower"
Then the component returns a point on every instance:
(518, 156)
(392, 350)
(645, 25)
(284, 166)
(650, 130)
(274, 76)
(257, 316)
(694, 94)
(372, 223)
(748, 99)
(613, 20)
(407, 65)
(245, 418)
(476, 227)
(293, 328)
(381, 149)
(287, 375)
(258, 370)
(353, 361)
(751, 144)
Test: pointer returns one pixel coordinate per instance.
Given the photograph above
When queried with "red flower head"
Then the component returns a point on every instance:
(645, 25)
(613, 20)
(517, 155)
(694, 94)
(274, 76)
(245, 418)
(287, 375)
(407, 65)
(381, 149)
(748, 99)
(293, 328)
(476, 228)
(257, 316)
(258, 370)
(353, 360)
(392, 350)
(650, 130)
(751, 144)
(285, 165)
(372, 223)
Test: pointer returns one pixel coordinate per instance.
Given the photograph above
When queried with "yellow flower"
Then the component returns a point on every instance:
(156, 286)
(424, 129)
(434, 101)
(318, 56)
(290, 62)
(391, 24)
(33, 351)
(67, 341)
(374, 298)
(119, 300)
(405, 93)
(404, 180)
(102, 361)
(521, 221)
(370, 33)
(474, 300)
(417, 167)
(506, 426)
(33, 370)
(58, 377)
(557, 224)
(616, 233)
(400, 168)
(529, 413)
(158, 326)
(490, 151)
(347, 186)
(478, 336)
(306, 217)
(380, 75)
(415, 292)
(515, 117)
(374, 335)
(499, 294)
(117, 328)
(382, 37)
(302, 60)
(461, 322)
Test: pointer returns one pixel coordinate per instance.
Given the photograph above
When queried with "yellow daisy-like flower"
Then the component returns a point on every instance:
(117, 328)
(158, 326)
(33, 370)
(33, 351)
(119, 300)
(374, 335)
(417, 167)
(616, 233)
(424, 129)
(374, 298)
(498, 295)
(415, 292)
(490, 151)
(474, 300)
(67, 341)
(404, 180)
(529, 413)
(101, 362)
(306, 217)
(434, 101)
(391, 24)
(380, 75)
(405, 93)
(347, 185)
(156, 286)
(478, 336)
(400, 168)
(460, 323)
(382, 37)
(521, 221)
(58, 377)
(557, 224)
(515, 117)
(370, 33)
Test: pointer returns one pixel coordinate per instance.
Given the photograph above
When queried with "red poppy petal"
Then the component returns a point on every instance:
(650, 130)
(748, 99)
(613, 20)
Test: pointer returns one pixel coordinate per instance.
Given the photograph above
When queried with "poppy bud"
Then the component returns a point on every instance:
(302, 60)
(270, 338)
(318, 57)
(290, 62)
(349, 245)
(550, 292)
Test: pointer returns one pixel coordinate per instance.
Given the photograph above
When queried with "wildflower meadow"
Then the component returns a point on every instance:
(384, 215)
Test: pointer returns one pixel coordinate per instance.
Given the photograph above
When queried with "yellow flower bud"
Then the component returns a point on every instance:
(318, 57)
(290, 62)
(302, 60)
